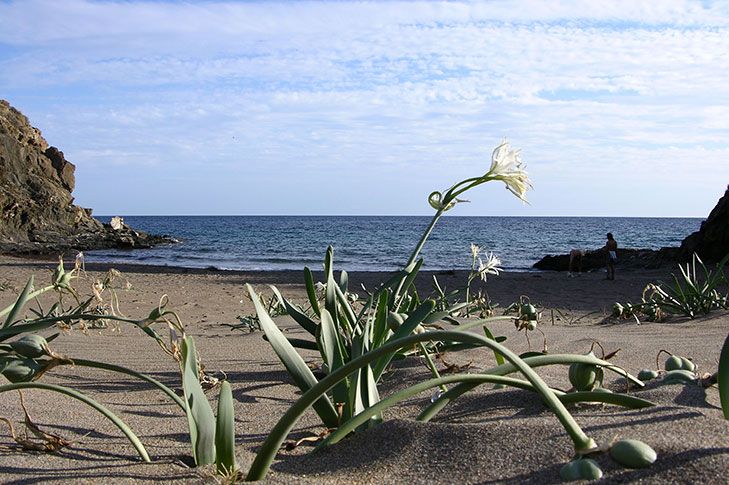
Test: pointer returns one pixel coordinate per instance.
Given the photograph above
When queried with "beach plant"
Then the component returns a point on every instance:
(212, 438)
(695, 292)
(722, 378)
(25, 355)
(357, 347)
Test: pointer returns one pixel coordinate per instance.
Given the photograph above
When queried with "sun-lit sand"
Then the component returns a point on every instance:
(488, 436)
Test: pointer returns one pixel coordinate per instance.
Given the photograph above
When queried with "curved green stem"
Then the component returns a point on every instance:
(86, 400)
(278, 434)
(508, 368)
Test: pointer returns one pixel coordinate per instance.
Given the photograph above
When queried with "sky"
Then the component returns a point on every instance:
(620, 108)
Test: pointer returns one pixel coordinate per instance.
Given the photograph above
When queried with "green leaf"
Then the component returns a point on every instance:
(19, 303)
(306, 323)
(311, 290)
(407, 327)
(722, 378)
(498, 356)
(225, 431)
(295, 365)
(200, 417)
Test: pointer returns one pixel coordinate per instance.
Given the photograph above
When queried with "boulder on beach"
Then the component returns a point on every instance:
(38, 214)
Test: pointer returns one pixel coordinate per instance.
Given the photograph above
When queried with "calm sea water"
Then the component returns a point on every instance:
(374, 243)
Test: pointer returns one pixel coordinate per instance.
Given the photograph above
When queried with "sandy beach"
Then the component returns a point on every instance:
(487, 436)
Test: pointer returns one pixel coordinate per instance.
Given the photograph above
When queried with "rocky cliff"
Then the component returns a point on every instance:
(711, 242)
(36, 206)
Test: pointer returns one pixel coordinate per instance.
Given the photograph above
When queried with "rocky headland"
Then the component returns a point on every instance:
(710, 243)
(38, 214)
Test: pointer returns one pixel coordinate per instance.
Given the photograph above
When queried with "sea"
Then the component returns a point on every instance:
(382, 243)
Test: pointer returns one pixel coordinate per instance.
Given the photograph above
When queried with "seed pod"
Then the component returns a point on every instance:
(672, 363)
(584, 377)
(617, 309)
(394, 320)
(31, 345)
(647, 375)
(581, 469)
(678, 375)
(687, 364)
(19, 370)
(531, 325)
(633, 453)
(528, 312)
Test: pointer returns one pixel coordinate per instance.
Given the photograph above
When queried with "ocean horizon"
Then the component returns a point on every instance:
(383, 243)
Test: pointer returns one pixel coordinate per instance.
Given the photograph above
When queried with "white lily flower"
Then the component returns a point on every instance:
(503, 158)
(476, 250)
(506, 166)
(490, 267)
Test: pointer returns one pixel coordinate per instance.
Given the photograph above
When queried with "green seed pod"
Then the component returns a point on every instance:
(394, 320)
(633, 453)
(585, 377)
(617, 309)
(581, 469)
(647, 375)
(687, 364)
(31, 345)
(672, 363)
(678, 375)
(528, 312)
(19, 370)
(531, 325)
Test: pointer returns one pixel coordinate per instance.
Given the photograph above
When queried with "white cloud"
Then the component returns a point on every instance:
(354, 90)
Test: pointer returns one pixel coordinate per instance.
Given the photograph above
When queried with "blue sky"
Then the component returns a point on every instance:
(621, 108)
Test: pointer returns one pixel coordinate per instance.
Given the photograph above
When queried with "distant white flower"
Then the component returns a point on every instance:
(491, 266)
(476, 250)
(506, 166)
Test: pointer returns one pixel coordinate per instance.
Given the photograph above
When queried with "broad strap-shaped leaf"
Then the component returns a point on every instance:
(381, 330)
(311, 290)
(347, 311)
(19, 303)
(225, 431)
(407, 327)
(299, 343)
(335, 354)
(498, 356)
(306, 323)
(411, 273)
(200, 417)
(295, 365)
(722, 378)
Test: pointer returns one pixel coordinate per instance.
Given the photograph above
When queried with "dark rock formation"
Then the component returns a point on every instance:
(627, 258)
(36, 206)
(711, 242)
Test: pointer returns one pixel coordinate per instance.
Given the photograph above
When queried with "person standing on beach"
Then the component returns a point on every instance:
(611, 246)
(575, 260)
